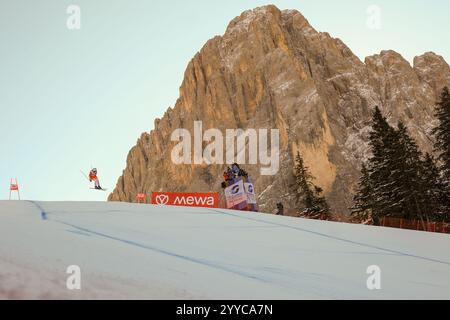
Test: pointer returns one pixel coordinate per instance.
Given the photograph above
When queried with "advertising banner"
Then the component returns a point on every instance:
(250, 191)
(236, 196)
(207, 200)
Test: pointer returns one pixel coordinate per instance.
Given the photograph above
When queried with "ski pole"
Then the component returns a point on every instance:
(84, 175)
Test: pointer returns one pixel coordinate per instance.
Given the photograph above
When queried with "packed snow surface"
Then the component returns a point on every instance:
(129, 251)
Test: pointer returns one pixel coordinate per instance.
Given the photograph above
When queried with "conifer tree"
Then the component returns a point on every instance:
(408, 194)
(442, 148)
(393, 183)
(363, 199)
(442, 134)
(397, 180)
(379, 165)
(436, 195)
(320, 204)
(309, 195)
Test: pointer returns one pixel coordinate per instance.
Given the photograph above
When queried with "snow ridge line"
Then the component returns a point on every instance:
(210, 264)
(335, 238)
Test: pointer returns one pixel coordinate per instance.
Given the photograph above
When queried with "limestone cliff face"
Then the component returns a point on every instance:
(272, 70)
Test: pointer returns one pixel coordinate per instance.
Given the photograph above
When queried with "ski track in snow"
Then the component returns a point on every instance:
(340, 239)
(275, 281)
(211, 264)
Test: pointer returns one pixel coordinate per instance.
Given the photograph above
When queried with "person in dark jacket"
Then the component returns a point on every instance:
(376, 220)
(280, 209)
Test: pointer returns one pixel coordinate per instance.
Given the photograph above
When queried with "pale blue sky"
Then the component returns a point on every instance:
(72, 99)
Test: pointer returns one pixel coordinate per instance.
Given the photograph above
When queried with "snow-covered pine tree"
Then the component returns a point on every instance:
(392, 178)
(379, 165)
(363, 200)
(436, 195)
(307, 194)
(442, 135)
(396, 181)
(320, 204)
(407, 190)
(302, 181)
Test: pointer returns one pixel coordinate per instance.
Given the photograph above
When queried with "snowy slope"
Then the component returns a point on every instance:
(147, 252)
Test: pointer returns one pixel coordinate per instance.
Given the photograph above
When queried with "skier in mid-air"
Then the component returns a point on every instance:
(93, 177)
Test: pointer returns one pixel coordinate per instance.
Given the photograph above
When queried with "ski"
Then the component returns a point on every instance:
(99, 189)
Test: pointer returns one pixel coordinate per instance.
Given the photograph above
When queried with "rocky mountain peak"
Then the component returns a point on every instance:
(433, 70)
(271, 69)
